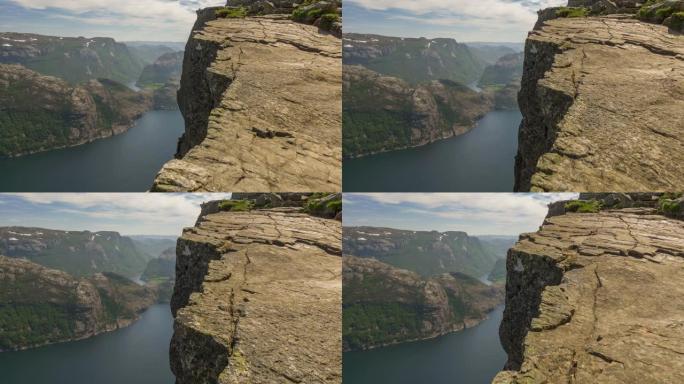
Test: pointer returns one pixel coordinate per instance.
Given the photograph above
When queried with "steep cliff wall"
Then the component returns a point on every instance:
(261, 98)
(601, 100)
(597, 298)
(258, 298)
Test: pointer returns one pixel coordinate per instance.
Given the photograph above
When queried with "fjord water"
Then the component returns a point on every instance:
(138, 354)
(124, 163)
(471, 356)
(481, 160)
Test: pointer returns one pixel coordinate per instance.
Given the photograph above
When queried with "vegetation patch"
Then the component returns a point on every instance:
(232, 12)
(317, 12)
(677, 21)
(583, 206)
(236, 205)
(322, 204)
(328, 19)
(668, 204)
(655, 11)
(365, 324)
(573, 12)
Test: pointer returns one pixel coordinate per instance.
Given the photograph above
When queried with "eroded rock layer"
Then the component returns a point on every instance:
(258, 299)
(261, 98)
(602, 100)
(596, 298)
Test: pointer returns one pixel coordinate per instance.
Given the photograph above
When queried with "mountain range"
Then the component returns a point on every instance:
(427, 253)
(63, 91)
(407, 92)
(404, 285)
(67, 285)
(40, 305)
(385, 305)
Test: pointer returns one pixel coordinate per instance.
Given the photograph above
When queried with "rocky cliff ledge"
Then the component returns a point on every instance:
(602, 100)
(597, 297)
(261, 98)
(258, 298)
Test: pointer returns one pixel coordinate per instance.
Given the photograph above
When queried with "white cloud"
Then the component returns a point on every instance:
(156, 18)
(128, 213)
(475, 213)
(500, 20)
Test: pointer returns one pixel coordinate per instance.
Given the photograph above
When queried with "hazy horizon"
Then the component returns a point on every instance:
(467, 21)
(123, 20)
(477, 214)
(130, 214)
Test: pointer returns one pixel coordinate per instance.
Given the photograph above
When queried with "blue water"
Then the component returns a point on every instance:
(138, 354)
(471, 356)
(481, 160)
(123, 163)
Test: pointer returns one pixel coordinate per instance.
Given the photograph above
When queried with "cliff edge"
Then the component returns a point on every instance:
(261, 98)
(597, 297)
(258, 297)
(602, 100)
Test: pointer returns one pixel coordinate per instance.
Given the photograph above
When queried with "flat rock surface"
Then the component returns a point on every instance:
(270, 300)
(617, 315)
(624, 130)
(278, 125)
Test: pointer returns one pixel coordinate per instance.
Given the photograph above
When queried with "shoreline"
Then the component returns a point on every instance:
(470, 129)
(114, 131)
(119, 325)
(431, 337)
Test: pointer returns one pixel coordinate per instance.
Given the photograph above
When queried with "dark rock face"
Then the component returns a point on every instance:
(252, 287)
(253, 113)
(40, 306)
(601, 100)
(585, 299)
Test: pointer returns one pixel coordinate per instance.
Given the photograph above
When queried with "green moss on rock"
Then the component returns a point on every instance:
(573, 12)
(236, 205)
(583, 206)
(232, 12)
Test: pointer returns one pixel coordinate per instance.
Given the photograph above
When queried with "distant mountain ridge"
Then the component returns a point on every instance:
(415, 60)
(79, 253)
(407, 92)
(427, 253)
(59, 92)
(73, 59)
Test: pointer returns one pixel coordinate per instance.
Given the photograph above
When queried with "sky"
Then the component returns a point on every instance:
(124, 20)
(127, 213)
(502, 214)
(463, 20)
